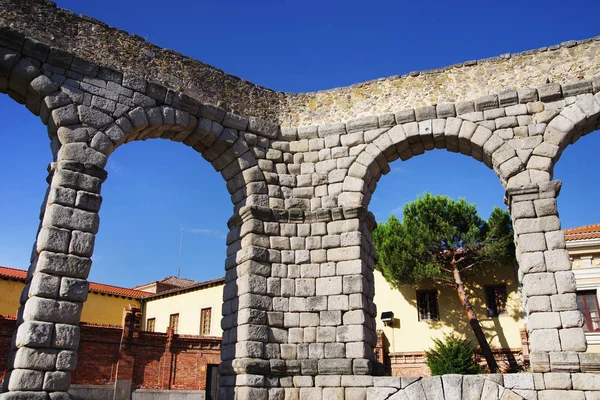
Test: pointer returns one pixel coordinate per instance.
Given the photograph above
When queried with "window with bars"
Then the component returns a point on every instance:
(495, 300)
(205, 315)
(587, 304)
(150, 324)
(174, 322)
(427, 304)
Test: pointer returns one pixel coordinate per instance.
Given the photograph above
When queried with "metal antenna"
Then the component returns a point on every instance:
(180, 246)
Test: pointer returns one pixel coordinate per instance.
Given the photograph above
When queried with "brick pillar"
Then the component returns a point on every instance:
(132, 317)
(48, 321)
(167, 361)
(298, 298)
(548, 285)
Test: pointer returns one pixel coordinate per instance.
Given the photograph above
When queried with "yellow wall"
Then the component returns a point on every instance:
(10, 293)
(188, 306)
(99, 308)
(105, 309)
(411, 335)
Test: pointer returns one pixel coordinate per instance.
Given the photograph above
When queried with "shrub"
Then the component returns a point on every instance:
(452, 355)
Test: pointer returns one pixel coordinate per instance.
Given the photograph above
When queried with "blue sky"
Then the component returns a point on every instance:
(157, 185)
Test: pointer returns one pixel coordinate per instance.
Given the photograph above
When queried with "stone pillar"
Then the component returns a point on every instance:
(298, 298)
(45, 344)
(548, 285)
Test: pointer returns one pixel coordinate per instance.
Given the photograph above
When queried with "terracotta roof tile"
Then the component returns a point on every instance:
(583, 232)
(102, 288)
(94, 287)
(13, 273)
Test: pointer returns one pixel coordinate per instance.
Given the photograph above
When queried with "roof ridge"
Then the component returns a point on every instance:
(569, 230)
(17, 273)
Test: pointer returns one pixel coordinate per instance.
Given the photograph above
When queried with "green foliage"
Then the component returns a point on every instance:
(434, 232)
(452, 355)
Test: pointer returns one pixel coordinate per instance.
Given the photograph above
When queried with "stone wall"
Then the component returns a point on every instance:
(194, 81)
(548, 386)
(298, 299)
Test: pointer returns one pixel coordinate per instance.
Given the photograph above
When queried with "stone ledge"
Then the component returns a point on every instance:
(298, 216)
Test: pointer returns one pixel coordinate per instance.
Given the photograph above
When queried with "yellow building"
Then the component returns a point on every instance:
(191, 310)
(583, 244)
(423, 313)
(104, 304)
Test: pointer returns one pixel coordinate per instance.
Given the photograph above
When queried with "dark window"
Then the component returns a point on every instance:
(587, 303)
(427, 305)
(212, 382)
(495, 299)
(174, 322)
(150, 324)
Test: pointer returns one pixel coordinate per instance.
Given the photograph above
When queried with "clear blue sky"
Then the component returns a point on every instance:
(156, 186)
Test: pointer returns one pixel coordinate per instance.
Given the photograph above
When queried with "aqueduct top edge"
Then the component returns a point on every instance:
(93, 40)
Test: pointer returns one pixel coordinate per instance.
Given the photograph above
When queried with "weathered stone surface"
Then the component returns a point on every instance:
(452, 386)
(37, 359)
(572, 339)
(25, 380)
(41, 309)
(545, 340)
(304, 174)
(432, 387)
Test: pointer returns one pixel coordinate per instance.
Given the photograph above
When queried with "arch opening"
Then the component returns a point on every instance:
(412, 329)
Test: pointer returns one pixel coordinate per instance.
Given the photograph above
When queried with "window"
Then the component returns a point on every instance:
(587, 303)
(427, 305)
(174, 322)
(205, 322)
(495, 299)
(150, 324)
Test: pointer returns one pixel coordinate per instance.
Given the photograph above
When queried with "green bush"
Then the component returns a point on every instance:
(452, 355)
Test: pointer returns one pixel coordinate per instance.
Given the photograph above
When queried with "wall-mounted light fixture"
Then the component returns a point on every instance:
(387, 317)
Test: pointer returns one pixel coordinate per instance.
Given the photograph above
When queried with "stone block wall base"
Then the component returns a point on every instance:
(96, 392)
(544, 386)
(109, 392)
(146, 394)
(122, 389)
(565, 361)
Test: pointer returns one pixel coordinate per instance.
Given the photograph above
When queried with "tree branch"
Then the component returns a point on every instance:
(444, 282)
(445, 270)
(468, 267)
(463, 258)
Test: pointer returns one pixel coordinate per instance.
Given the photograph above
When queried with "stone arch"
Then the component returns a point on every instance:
(474, 387)
(404, 141)
(90, 111)
(564, 127)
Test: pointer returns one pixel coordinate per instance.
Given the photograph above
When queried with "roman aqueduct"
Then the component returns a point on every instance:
(301, 170)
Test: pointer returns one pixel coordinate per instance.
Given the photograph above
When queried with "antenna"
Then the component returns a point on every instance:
(180, 246)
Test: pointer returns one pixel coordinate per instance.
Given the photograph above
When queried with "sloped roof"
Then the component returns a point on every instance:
(583, 232)
(13, 273)
(167, 284)
(21, 275)
(179, 282)
(190, 288)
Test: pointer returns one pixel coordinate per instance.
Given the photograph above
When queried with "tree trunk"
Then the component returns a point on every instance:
(474, 322)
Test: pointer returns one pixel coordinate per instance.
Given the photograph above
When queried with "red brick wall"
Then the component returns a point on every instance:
(159, 361)
(182, 366)
(98, 355)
